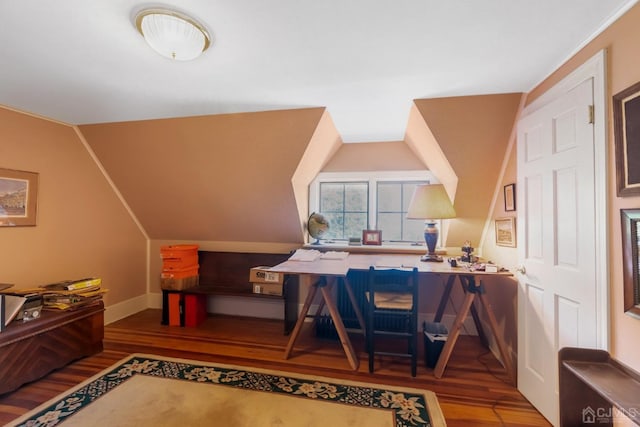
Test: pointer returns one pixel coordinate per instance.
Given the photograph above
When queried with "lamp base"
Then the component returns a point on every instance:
(431, 258)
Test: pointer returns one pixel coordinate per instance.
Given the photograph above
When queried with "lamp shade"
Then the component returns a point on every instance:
(430, 201)
(172, 34)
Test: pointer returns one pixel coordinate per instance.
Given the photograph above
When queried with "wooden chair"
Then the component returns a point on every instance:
(392, 313)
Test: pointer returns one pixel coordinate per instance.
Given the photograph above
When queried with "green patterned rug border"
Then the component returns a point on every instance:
(410, 408)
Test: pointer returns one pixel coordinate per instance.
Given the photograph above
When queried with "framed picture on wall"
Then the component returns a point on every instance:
(510, 197)
(506, 232)
(630, 221)
(626, 122)
(18, 193)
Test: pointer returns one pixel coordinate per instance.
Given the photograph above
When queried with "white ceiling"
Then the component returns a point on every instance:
(83, 61)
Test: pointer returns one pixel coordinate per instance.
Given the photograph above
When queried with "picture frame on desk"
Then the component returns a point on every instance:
(506, 232)
(372, 237)
(18, 194)
(626, 123)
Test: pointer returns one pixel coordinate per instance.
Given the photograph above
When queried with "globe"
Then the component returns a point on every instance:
(317, 226)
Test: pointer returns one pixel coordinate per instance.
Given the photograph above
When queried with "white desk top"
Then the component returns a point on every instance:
(359, 261)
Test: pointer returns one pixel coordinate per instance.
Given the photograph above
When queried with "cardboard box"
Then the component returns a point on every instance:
(179, 284)
(178, 251)
(267, 288)
(264, 275)
(180, 273)
(188, 261)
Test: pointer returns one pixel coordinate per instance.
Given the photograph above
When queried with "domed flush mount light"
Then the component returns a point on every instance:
(173, 34)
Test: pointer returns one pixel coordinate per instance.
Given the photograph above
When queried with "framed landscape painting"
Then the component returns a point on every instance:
(18, 193)
(506, 232)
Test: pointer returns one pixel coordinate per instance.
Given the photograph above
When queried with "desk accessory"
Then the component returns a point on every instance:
(468, 251)
(355, 241)
(317, 226)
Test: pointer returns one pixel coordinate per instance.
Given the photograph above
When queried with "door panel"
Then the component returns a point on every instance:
(556, 298)
(533, 217)
(565, 217)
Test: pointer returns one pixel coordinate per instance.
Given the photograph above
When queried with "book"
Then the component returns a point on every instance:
(68, 300)
(305, 255)
(75, 285)
(334, 255)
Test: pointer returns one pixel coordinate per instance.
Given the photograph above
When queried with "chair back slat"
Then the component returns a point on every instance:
(392, 310)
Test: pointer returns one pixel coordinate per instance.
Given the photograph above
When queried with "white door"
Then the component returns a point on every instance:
(557, 293)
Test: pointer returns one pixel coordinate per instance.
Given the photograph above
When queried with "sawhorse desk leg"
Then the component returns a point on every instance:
(471, 291)
(326, 288)
(474, 313)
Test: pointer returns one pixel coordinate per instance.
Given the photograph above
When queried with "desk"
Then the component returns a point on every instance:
(324, 273)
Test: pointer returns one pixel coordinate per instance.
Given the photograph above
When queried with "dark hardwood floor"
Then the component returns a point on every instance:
(475, 389)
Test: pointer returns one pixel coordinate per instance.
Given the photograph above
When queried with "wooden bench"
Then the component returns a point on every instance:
(227, 274)
(591, 383)
(30, 350)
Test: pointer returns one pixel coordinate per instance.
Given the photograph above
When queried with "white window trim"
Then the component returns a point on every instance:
(372, 177)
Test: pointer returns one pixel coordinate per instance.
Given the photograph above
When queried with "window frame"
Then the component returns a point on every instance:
(373, 178)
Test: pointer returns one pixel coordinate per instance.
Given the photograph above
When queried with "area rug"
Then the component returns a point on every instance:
(148, 390)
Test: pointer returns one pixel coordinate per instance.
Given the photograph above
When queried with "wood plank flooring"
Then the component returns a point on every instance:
(474, 390)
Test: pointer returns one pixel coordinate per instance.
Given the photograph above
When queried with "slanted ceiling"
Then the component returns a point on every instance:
(244, 177)
(212, 178)
(471, 135)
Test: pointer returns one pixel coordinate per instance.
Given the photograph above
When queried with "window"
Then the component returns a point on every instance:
(391, 211)
(353, 202)
(346, 206)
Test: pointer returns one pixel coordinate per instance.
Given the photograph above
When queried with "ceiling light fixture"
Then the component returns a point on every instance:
(173, 34)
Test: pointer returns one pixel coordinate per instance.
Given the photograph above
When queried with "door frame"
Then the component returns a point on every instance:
(594, 68)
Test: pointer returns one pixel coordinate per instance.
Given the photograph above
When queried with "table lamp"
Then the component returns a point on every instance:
(430, 202)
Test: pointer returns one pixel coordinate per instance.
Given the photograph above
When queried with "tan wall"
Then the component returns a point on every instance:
(507, 257)
(224, 177)
(472, 134)
(502, 292)
(82, 227)
(374, 156)
(323, 145)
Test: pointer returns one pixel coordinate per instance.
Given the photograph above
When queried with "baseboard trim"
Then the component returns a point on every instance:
(250, 307)
(126, 308)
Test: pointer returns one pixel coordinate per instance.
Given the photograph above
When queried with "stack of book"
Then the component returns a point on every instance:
(71, 294)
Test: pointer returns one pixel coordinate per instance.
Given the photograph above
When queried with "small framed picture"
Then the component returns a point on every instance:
(506, 232)
(18, 192)
(371, 237)
(510, 198)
